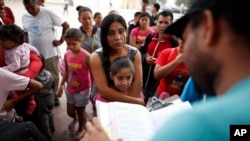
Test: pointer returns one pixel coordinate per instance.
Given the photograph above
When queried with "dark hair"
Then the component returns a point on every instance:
(107, 21)
(157, 6)
(138, 13)
(120, 63)
(81, 9)
(28, 1)
(97, 14)
(233, 14)
(73, 33)
(143, 14)
(146, 1)
(166, 13)
(12, 32)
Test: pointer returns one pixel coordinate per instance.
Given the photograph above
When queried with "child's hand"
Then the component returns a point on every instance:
(59, 91)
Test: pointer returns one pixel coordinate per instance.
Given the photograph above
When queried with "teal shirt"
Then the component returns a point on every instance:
(210, 121)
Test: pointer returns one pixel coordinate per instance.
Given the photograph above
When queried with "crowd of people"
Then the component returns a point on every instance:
(203, 54)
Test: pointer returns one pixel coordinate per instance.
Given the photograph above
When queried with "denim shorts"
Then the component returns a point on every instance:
(79, 99)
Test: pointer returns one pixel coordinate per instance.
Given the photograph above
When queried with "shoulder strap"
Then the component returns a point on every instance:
(131, 53)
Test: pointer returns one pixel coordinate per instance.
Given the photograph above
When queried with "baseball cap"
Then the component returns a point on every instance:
(196, 7)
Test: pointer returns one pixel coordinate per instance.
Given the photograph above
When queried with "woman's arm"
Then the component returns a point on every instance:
(100, 79)
(136, 87)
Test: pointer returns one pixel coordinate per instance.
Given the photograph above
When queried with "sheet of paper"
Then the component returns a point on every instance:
(131, 122)
(161, 115)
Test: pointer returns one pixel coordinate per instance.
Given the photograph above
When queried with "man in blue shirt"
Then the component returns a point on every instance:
(216, 39)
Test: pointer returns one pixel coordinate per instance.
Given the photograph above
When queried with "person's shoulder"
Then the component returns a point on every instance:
(7, 8)
(131, 47)
(165, 52)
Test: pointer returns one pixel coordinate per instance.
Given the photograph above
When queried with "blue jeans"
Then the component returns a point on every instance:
(26, 131)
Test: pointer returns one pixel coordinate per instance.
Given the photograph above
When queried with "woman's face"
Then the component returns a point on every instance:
(86, 19)
(144, 21)
(116, 35)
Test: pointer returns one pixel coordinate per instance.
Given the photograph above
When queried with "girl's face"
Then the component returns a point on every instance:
(86, 19)
(73, 45)
(7, 44)
(144, 21)
(123, 79)
(116, 36)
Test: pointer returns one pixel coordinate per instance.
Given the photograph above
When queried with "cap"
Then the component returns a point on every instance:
(197, 6)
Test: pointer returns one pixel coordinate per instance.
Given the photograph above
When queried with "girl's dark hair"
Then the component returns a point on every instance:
(120, 63)
(73, 33)
(107, 21)
(12, 32)
(81, 9)
(143, 14)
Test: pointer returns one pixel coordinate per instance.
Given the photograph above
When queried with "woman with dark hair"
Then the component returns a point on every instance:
(113, 38)
(142, 30)
(91, 33)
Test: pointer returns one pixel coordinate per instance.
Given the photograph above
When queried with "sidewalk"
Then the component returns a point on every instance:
(60, 113)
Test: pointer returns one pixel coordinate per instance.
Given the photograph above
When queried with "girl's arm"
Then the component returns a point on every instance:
(136, 87)
(132, 41)
(102, 83)
(64, 78)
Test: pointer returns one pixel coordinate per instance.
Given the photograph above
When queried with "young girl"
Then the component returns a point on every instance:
(77, 75)
(17, 54)
(121, 73)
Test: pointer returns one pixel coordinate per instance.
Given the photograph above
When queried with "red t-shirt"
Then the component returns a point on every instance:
(175, 81)
(156, 46)
(7, 21)
(9, 14)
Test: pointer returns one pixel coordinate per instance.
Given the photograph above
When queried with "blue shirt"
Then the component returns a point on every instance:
(210, 121)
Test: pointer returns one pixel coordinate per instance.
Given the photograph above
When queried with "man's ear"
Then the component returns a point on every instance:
(209, 31)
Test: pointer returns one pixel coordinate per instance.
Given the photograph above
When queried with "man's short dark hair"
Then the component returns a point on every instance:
(146, 1)
(157, 6)
(166, 13)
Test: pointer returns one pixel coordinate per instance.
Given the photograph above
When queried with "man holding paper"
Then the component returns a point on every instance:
(217, 54)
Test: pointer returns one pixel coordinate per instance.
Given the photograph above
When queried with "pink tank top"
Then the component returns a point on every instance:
(78, 73)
